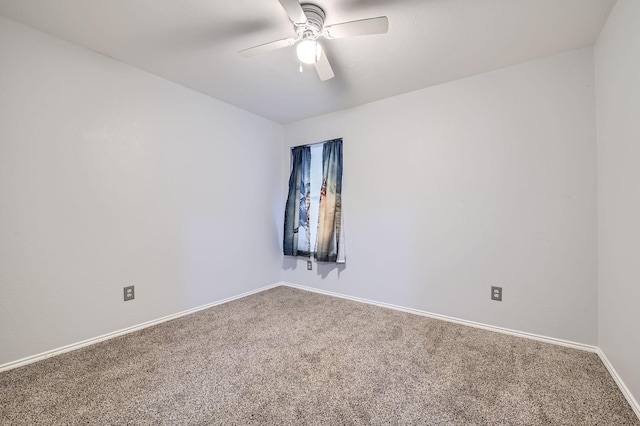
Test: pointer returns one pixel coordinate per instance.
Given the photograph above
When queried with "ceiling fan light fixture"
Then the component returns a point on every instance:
(309, 51)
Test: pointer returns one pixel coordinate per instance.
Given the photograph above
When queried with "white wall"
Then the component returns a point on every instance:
(618, 112)
(490, 180)
(110, 176)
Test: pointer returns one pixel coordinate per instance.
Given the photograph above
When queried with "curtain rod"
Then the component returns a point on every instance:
(315, 143)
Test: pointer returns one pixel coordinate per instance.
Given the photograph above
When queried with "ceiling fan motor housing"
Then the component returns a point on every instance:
(315, 21)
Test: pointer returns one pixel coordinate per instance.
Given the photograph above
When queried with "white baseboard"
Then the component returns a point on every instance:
(44, 355)
(72, 347)
(474, 324)
(623, 388)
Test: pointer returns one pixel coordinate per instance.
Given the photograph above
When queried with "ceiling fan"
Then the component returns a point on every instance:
(308, 23)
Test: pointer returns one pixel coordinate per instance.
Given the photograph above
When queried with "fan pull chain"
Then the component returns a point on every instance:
(300, 66)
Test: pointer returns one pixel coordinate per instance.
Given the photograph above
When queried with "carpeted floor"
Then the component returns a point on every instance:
(287, 356)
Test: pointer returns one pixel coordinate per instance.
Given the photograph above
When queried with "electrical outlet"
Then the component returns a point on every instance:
(309, 265)
(496, 293)
(129, 293)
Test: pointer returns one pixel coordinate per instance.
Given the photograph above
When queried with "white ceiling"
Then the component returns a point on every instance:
(195, 43)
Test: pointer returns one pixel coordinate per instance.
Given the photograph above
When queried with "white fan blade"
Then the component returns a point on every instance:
(379, 25)
(267, 47)
(294, 10)
(323, 67)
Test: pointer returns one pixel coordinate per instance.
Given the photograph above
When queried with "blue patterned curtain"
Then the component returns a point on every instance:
(330, 239)
(296, 216)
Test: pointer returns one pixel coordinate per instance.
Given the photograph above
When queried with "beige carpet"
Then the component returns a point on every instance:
(286, 356)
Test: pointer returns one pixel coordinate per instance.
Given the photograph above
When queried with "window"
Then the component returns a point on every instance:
(313, 213)
(315, 186)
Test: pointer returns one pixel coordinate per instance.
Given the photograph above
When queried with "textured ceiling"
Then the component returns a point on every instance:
(195, 43)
